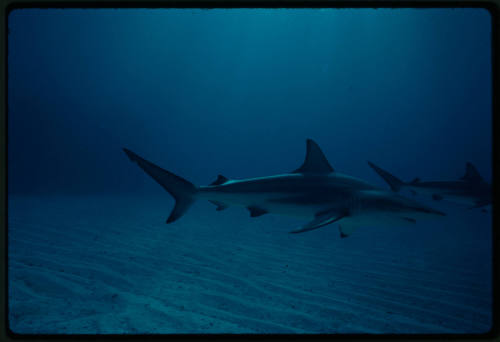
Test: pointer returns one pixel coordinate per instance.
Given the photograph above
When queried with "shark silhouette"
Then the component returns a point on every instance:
(471, 189)
(313, 191)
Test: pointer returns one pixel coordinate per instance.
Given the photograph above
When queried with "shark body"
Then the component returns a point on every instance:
(471, 189)
(314, 191)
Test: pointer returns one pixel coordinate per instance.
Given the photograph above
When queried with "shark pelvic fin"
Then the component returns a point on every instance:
(220, 180)
(256, 212)
(471, 174)
(321, 220)
(220, 205)
(315, 161)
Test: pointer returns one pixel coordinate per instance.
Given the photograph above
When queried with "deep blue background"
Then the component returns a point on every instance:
(237, 92)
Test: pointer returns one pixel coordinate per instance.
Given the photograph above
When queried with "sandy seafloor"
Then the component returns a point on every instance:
(110, 265)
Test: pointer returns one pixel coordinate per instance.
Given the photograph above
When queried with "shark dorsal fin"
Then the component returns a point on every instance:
(315, 161)
(220, 180)
(471, 174)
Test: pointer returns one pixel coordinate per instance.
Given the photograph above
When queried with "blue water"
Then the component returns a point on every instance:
(237, 92)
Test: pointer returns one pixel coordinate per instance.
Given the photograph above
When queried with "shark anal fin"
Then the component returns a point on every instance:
(256, 211)
(437, 197)
(220, 205)
(220, 180)
(315, 161)
(320, 221)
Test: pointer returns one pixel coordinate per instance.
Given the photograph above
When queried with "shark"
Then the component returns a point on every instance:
(314, 191)
(471, 189)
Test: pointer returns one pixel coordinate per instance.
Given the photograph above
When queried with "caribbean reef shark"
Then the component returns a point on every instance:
(471, 189)
(314, 191)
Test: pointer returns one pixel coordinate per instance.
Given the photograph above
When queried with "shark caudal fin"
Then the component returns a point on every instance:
(394, 182)
(180, 189)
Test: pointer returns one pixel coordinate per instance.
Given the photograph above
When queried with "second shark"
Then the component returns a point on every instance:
(471, 189)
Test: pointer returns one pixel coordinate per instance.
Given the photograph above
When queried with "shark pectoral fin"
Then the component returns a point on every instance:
(220, 205)
(255, 211)
(346, 229)
(437, 197)
(318, 222)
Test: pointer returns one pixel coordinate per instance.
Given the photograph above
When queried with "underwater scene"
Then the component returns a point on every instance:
(249, 171)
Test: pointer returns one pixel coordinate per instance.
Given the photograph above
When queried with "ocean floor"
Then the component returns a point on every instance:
(110, 265)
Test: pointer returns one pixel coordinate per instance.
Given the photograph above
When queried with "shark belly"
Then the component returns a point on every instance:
(269, 202)
(287, 194)
(446, 194)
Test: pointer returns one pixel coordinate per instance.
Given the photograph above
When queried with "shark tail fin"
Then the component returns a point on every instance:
(181, 190)
(394, 182)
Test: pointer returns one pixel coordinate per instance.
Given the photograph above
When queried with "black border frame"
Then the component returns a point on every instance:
(490, 6)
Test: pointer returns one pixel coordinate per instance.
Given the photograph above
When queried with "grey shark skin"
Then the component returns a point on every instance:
(313, 191)
(471, 189)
